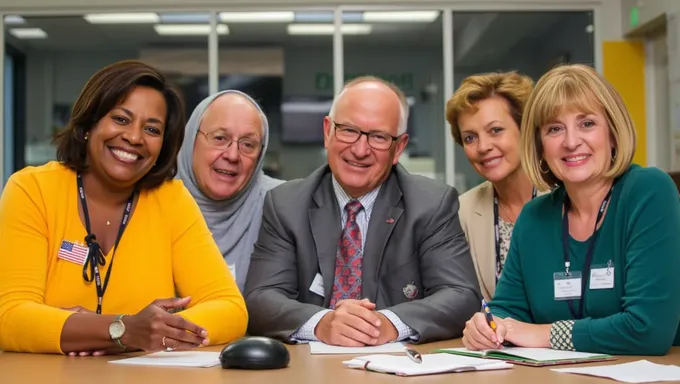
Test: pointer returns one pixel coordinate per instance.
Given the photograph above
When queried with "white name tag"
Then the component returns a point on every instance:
(567, 287)
(602, 278)
(317, 285)
(232, 269)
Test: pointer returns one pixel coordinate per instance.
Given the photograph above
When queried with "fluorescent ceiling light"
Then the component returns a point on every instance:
(257, 17)
(188, 29)
(14, 19)
(401, 16)
(185, 18)
(327, 17)
(122, 18)
(28, 33)
(327, 29)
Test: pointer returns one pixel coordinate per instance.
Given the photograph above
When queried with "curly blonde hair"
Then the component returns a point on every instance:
(511, 86)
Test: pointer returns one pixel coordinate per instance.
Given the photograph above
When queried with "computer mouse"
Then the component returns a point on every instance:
(253, 352)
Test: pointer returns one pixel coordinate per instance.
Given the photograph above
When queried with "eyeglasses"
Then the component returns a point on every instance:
(376, 140)
(246, 146)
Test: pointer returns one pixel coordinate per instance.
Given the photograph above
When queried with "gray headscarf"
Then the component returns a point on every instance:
(234, 222)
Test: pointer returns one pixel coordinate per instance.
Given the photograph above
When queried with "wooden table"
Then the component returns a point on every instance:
(303, 368)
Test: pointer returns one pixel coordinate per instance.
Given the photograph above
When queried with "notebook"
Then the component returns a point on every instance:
(431, 364)
(537, 357)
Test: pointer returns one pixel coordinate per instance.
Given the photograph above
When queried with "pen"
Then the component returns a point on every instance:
(414, 355)
(491, 322)
(487, 313)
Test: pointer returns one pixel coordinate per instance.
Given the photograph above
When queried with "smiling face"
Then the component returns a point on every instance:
(222, 172)
(123, 145)
(577, 146)
(369, 106)
(490, 139)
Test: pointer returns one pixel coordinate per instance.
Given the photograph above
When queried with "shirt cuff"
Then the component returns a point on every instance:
(405, 332)
(561, 335)
(306, 332)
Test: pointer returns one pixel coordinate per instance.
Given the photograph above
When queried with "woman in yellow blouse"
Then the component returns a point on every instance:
(95, 247)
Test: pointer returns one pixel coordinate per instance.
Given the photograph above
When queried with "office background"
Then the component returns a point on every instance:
(294, 57)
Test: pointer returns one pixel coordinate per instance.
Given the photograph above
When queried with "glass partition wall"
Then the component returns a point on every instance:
(293, 61)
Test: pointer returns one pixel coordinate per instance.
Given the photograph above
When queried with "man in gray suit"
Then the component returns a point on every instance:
(361, 252)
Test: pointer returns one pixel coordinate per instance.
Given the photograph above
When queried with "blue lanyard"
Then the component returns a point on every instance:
(585, 274)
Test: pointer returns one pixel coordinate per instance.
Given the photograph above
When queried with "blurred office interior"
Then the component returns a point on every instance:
(288, 58)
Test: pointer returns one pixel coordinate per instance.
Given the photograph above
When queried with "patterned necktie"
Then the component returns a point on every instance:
(348, 260)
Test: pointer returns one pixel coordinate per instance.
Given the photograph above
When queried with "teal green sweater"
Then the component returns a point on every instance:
(640, 235)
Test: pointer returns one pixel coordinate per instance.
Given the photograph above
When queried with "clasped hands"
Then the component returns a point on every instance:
(478, 335)
(154, 329)
(355, 323)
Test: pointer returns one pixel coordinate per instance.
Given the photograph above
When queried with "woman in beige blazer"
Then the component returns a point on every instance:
(485, 114)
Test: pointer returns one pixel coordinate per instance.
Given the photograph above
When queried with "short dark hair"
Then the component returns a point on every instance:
(103, 92)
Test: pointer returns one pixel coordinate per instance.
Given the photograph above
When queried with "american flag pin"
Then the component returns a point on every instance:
(72, 252)
(390, 220)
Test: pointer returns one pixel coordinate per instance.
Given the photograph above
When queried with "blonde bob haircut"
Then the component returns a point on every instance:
(511, 86)
(573, 88)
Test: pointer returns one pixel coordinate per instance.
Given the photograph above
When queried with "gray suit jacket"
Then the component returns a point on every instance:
(414, 237)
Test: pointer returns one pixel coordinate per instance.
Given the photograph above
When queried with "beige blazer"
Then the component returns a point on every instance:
(476, 218)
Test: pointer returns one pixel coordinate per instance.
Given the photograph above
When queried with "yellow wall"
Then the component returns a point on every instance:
(624, 68)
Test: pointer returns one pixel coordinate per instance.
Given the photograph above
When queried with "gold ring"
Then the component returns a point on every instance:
(168, 349)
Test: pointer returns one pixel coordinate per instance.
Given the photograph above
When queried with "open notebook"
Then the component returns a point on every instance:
(431, 364)
(531, 356)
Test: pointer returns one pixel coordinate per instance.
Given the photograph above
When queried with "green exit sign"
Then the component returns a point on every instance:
(634, 16)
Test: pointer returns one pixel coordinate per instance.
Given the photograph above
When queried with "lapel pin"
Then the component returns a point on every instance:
(410, 290)
(390, 221)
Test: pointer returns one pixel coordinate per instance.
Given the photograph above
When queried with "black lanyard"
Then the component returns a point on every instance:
(589, 253)
(95, 256)
(497, 231)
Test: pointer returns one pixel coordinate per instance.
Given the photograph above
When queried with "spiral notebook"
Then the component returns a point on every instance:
(536, 357)
(432, 364)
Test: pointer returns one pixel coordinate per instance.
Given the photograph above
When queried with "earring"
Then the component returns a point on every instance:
(87, 136)
(540, 167)
(613, 154)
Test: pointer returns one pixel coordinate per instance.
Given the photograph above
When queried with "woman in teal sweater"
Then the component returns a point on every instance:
(605, 276)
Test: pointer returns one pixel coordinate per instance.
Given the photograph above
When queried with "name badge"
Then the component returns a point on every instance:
(602, 278)
(317, 285)
(567, 286)
(232, 269)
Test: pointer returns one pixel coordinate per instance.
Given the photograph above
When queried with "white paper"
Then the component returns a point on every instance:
(317, 285)
(432, 363)
(641, 371)
(175, 359)
(536, 354)
(319, 348)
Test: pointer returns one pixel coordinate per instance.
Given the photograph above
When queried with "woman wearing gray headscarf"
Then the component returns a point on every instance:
(220, 162)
